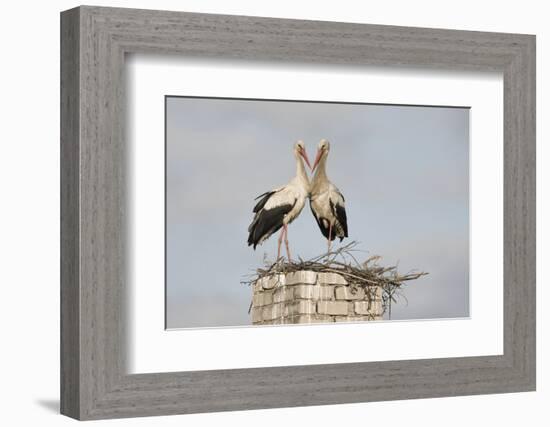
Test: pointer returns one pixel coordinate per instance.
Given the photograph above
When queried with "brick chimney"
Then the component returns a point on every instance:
(311, 297)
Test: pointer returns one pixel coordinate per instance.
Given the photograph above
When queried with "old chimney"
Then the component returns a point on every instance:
(313, 297)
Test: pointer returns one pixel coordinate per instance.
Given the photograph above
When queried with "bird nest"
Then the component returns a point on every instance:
(368, 274)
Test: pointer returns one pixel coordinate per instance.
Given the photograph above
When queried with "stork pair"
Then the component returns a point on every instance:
(277, 208)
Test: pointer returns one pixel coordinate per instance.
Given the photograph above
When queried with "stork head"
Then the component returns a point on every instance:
(322, 151)
(300, 150)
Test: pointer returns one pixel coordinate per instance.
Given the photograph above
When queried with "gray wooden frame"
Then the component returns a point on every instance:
(94, 382)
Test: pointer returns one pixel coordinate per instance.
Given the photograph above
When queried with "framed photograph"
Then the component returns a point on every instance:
(346, 210)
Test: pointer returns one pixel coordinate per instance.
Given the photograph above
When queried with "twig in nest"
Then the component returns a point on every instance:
(367, 274)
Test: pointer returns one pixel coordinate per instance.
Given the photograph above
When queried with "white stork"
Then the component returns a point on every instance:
(326, 202)
(279, 207)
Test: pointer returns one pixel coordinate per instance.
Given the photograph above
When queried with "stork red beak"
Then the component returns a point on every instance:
(317, 158)
(304, 156)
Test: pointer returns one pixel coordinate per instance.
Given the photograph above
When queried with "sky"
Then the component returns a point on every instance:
(404, 171)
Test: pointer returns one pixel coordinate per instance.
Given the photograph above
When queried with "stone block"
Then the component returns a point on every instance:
(257, 286)
(363, 307)
(314, 292)
(257, 314)
(270, 282)
(310, 318)
(331, 279)
(283, 294)
(301, 278)
(306, 292)
(335, 308)
(326, 292)
(300, 307)
(350, 293)
(273, 311)
(376, 307)
(262, 298)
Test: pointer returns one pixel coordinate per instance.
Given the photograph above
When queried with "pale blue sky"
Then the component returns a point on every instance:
(403, 170)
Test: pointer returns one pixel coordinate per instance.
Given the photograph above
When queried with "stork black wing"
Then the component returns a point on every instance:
(339, 212)
(342, 218)
(321, 223)
(264, 198)
(266, 221)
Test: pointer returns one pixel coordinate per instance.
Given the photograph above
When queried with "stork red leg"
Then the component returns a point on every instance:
(329, 236)
(285, 228)
(279, 243)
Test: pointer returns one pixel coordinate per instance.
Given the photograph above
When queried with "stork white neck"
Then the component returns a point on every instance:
(320, 170)
(301, 173)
